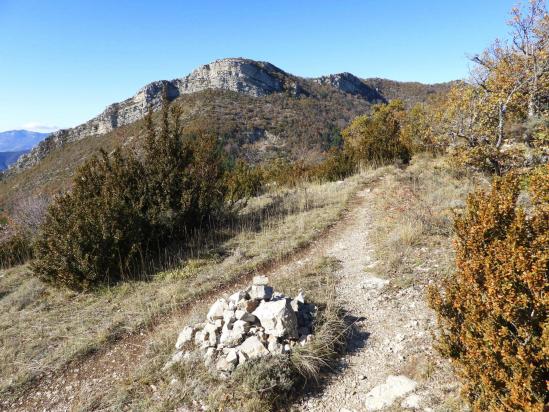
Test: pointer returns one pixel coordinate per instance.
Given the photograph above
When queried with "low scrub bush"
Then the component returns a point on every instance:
(125, 207)
(243, 182)
(492, 313)
(377, 138)
(337, 165)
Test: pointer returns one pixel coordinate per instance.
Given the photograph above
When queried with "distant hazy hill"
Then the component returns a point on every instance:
(9, 158)
(258, 110)
(19, 140)
(15, 143)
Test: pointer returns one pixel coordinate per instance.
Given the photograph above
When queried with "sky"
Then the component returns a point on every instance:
(63, 61)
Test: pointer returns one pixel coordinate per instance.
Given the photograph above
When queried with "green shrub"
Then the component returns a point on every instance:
(243, 182)
(124, 208)
(336, 166)
(97, 232)
(493, 313)
(377, 138)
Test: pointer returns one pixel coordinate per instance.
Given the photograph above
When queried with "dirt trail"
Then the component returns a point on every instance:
(390, 364)
(61, 390)
(386, 362)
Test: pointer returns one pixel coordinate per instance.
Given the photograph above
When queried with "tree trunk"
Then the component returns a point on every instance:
(501, 123)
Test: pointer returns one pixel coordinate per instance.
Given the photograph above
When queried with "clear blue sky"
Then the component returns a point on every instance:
(63, 61)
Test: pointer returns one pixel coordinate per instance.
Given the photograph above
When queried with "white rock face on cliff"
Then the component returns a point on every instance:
(237, 75)
(349, 83)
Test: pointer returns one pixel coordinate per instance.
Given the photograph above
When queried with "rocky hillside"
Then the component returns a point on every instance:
(259, 111)
(247, 77)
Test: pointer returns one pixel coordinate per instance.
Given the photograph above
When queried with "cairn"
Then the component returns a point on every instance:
(249, 324)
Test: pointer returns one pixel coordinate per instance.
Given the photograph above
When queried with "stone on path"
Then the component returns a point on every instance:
(386, 393)
(411, 402)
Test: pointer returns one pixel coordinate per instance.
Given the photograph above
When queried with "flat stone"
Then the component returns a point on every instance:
(211, 334)
(234, 336)
(201, 339)
(209, 356)
(228, 316)
(275, 348)
(232, 357)
(245, 316)
(277, 318)
(386, 393)
(411, 402)
(224, 365)
(261, 292)
(176, 358)
(237, 296)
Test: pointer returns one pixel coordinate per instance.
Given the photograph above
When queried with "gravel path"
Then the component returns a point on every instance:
(390, 364)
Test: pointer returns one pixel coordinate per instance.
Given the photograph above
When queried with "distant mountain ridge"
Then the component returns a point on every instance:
(243, 76)
(20, 140)
(15, 143)
(9, 158)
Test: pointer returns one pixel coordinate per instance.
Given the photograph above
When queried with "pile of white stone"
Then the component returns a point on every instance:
(249, 324)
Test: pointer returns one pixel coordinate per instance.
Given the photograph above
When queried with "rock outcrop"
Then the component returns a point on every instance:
(348, 83)
(244, 76)
(247, 325)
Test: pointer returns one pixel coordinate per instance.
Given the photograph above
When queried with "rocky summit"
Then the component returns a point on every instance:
(249, 324)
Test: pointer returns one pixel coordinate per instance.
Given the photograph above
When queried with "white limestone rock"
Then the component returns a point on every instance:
(245, 316)
(229, 316)
(216, 310)
(383, 395)
(235, 335)
(176, 358)
(253, 348)
(185, 336)
(211, 334)
(261, 292)
(237, 296)
(278, 318)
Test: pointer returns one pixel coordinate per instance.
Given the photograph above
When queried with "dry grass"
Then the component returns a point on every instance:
(260, 385)
(43, 328)
(414, 219)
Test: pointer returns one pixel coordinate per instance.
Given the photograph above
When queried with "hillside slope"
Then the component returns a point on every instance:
(260, 112)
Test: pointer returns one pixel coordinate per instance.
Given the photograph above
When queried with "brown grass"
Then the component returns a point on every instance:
(413, 220)
(262, 385)
(43, 328)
